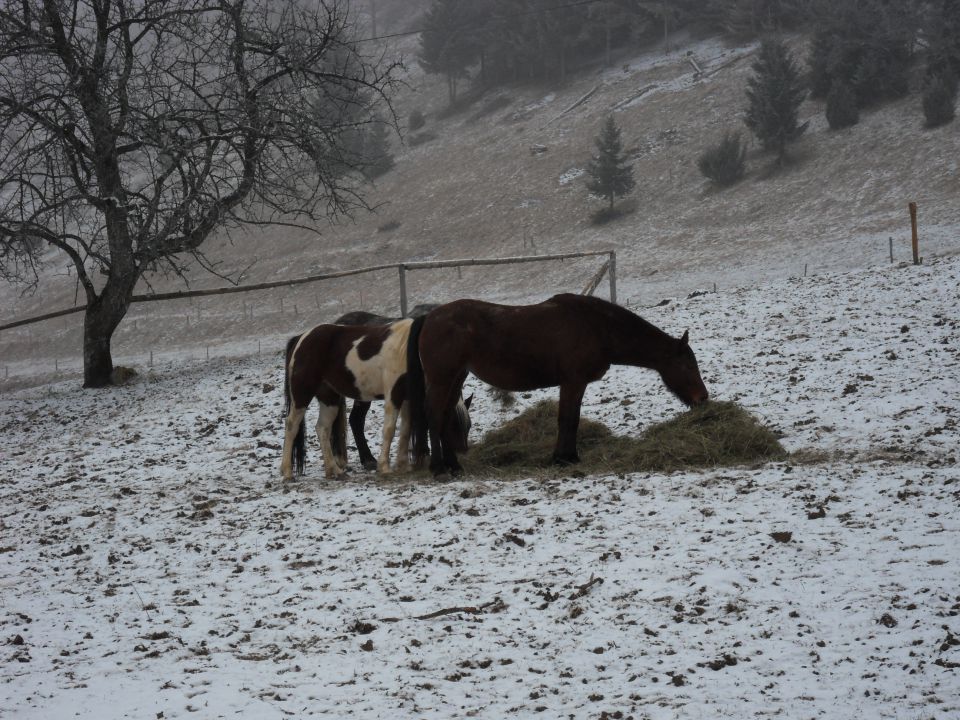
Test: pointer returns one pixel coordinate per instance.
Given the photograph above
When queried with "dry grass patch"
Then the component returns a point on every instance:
(715, 434)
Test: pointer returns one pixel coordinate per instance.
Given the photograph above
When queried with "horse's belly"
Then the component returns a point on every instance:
(515, 381)
(368, 384)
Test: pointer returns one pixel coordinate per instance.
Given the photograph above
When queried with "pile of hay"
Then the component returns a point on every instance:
(712, 435)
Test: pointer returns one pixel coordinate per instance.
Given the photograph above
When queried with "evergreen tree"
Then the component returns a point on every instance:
(942, 31)
(866, 44)
(449, 41)
(609, 173)
(774, 94)
(377, 158)
(940, 100)
(842, 110)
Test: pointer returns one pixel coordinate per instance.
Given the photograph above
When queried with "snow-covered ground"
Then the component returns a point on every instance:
(152, 564)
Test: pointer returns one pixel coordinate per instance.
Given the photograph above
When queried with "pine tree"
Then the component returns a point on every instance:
(610, 175)
(866, 44)
(377, 158)
(842, 109)
(942, 31)
(940, 99)
(448, 43)
(774, 94)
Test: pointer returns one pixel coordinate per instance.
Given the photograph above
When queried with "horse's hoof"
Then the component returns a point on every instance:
(369, 465)
(563, 461)
(342, 476)
(442, 477)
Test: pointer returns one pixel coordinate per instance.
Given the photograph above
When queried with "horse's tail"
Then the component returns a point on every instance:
(417, 394)
(338, 436)
(299, 449)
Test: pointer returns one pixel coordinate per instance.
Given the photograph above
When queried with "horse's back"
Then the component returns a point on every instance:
(515, 347)
(362, 317)
(359, 361)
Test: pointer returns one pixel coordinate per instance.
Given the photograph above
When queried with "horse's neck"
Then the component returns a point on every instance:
(634, 341)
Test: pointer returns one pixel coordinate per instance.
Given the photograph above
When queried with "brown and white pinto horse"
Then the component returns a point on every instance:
(358, 413)
(567, 341)
(331, 362)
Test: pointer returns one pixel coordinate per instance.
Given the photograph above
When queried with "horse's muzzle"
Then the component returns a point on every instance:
(699, 398)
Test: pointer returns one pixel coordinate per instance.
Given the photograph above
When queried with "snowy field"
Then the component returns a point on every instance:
(153, 565)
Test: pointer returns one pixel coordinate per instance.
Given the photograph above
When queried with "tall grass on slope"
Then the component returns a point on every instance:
(715, 434)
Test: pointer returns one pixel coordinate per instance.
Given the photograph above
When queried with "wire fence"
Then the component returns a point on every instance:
(222, 329)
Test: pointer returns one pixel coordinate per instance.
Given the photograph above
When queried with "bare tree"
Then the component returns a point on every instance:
(130, 130)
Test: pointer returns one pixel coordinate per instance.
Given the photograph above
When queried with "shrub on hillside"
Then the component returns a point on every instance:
(842, 108)
(420, 138)
(939, 101)
(724, 163)
(416, 121)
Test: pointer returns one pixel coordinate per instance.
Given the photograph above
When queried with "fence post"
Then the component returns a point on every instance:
(613, 276)
(403, 290)
(913, 227)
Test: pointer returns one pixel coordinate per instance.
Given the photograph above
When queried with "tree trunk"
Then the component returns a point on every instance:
(105, 311)
(99, 323)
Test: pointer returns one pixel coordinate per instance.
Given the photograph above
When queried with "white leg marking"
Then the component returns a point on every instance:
(389, 428)
(290, 428)
(328, 413)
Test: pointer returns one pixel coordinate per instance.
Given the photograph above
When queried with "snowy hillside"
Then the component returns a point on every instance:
(478, 189)
(153, 566)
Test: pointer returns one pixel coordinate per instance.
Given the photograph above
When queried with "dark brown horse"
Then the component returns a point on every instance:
(567, 341)
(360, 408)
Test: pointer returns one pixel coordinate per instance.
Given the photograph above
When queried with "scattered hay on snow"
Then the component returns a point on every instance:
(715, 434)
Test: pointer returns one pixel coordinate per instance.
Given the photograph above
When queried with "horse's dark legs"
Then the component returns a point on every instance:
(358, 416)
(441, 402)
(571, 396)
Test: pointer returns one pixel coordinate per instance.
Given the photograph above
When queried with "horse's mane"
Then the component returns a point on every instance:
(615, 315)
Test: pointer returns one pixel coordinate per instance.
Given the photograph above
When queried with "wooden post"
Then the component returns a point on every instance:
(403, 290)
(612, 271)
(913, 227)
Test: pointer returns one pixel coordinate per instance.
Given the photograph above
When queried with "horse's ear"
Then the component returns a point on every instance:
(468, 401)
(684, 339)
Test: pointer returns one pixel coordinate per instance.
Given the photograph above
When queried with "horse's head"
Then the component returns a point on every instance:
(681, 374)
(461, 423)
